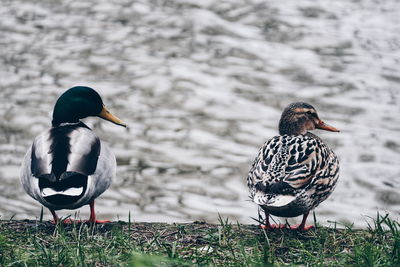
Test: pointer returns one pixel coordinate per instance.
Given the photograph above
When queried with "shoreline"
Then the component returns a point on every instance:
(200, 244)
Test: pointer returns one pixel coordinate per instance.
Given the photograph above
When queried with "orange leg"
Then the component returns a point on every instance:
(56, 219)
(268, 226)
(92, 218)
(302, 226)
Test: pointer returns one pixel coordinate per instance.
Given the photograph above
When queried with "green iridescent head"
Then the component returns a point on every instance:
(80, 102)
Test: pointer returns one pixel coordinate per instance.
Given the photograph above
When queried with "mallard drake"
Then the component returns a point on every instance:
(68, 166)
(294, 171)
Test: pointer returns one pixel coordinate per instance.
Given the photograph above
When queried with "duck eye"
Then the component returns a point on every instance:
(311, 113)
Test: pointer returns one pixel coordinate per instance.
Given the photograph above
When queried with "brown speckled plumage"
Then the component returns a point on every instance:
(294, 171)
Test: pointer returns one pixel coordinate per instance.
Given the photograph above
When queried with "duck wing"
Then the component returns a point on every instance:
(66, 149)
(285, 164)
(63, 167)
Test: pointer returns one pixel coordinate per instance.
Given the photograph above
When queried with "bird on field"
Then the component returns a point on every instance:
(294, 171)
(68, 166)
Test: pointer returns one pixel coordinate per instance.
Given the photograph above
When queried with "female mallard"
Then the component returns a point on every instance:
(68, 166)
(294, 171)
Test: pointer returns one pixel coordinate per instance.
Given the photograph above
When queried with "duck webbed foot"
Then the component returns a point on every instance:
(302, 226)
(272, 226)
(57, 220)
(92, 218)
(299, 227)
(268, 226)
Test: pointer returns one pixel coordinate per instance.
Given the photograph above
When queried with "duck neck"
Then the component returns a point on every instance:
(64, 114)
(292, 128)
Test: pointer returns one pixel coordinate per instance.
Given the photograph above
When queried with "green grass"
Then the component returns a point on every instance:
(31, 243)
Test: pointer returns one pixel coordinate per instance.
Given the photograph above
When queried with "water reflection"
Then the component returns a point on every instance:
(201, 86)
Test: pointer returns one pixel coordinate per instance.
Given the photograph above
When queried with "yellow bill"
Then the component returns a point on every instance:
(105, 114)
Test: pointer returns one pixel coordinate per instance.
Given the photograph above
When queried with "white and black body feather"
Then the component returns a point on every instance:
(67, 167)
(292, 174)
(294, 171)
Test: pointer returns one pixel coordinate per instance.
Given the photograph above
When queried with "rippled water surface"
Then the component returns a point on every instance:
(202, 85)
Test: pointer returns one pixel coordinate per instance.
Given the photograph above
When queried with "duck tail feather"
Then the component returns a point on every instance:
(272, 200)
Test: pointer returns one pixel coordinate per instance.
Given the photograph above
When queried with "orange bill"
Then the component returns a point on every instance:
(105, 114)
(323, 126)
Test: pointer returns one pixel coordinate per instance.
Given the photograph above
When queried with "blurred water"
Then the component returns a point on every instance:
(202, 85)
